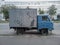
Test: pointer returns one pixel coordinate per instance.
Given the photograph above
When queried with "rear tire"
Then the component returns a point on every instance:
(22, 31)
(17, 31)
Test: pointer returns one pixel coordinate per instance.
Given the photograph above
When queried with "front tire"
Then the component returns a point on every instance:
(44, 31)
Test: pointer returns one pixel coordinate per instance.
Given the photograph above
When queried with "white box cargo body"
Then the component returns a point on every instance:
(23, 18)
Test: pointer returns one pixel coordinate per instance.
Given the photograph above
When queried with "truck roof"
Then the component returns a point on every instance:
(23, 9)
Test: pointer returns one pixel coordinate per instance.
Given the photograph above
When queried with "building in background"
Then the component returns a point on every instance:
(35, 4)
(44, 5)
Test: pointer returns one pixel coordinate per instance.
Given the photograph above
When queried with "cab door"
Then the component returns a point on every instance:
(43, 22)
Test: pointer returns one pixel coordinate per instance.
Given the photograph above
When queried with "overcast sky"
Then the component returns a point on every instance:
(31, 0)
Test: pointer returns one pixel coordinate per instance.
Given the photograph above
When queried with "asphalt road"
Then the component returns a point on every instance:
(8, 37)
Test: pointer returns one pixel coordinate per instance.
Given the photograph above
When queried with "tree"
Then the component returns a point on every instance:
(52, 11)
(6, 13)
(4, 10)
(41, 11)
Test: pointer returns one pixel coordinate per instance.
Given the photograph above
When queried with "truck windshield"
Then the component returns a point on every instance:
(45, 18)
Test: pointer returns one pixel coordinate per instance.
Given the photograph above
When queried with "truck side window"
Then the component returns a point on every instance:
(44, 18)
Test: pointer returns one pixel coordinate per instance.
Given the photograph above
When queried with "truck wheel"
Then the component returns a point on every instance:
(22, 31)
(44, 32)
(17, 32)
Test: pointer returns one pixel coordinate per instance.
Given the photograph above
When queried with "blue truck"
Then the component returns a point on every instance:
(27, 19)
(44, 24)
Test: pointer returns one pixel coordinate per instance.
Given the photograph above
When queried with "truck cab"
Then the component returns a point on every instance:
(44, 24)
